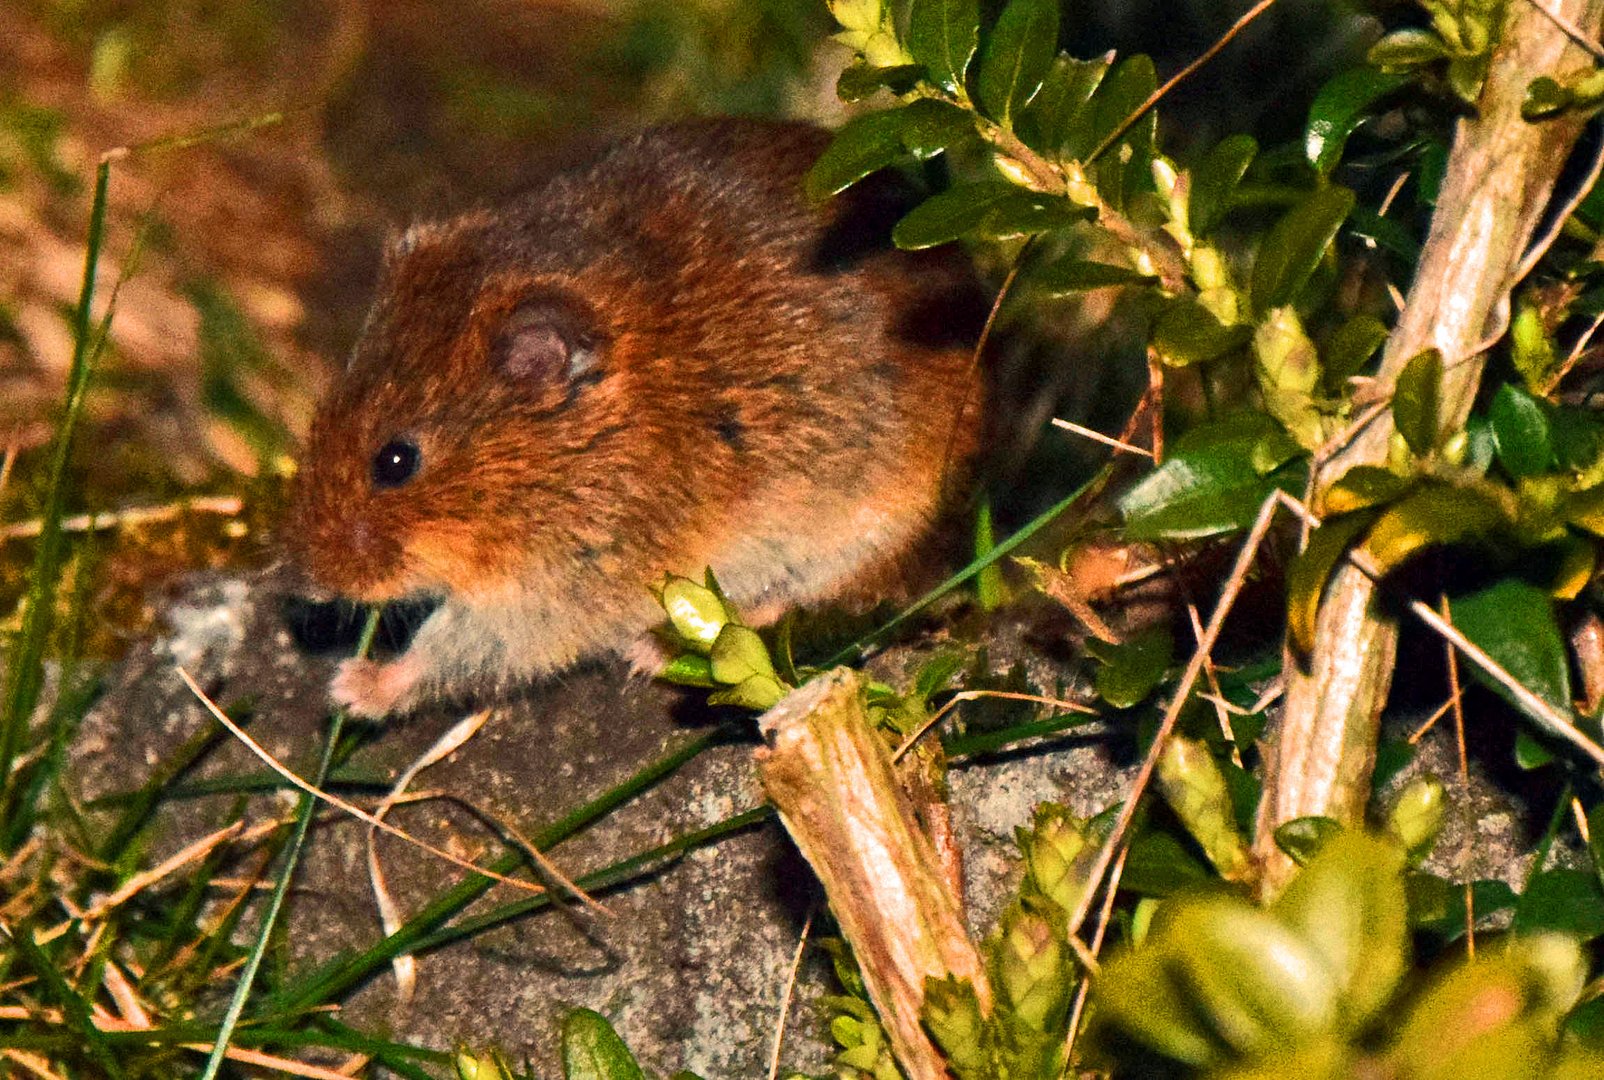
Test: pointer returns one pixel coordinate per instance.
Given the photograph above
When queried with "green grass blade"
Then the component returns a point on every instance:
(303, 824)
(25, 664)
(344, 972)
(855, 650)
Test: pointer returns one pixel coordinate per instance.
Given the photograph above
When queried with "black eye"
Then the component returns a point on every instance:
(396, 462)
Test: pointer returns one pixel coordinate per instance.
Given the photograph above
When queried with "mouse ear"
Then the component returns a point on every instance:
(547, 339)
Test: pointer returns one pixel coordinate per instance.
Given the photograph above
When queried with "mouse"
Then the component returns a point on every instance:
(666, 360)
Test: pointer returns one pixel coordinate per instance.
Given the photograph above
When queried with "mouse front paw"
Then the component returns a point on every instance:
(373, 690)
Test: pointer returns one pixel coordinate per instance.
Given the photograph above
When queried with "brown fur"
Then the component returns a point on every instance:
(773, 394)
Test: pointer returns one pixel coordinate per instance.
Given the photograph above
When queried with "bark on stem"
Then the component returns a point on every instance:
(1500, 175)
(830, 776)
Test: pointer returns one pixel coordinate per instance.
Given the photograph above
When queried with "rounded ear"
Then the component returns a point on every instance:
(548, 338)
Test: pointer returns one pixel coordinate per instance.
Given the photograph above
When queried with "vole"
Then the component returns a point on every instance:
(666, 360)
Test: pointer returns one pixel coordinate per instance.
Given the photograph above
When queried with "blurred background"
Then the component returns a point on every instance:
(274, 143)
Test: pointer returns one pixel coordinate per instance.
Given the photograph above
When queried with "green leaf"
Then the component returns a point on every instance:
(1544, 98)
(1513, 622)
(592, 1050)
(689, 669)
(1349, 905)
(1530, 752)
(1133, 669)
(1160, 865)
(1187, 333)
(1215, 179)
(1306, 580)
(1433, 514)
(1195, 787)
(1520, 432)
(1125, 169)
(942, 35)
(1017, 57)
(864, 145)
(1351, 346)
(1305, 837)
(1079, 275)
(860, 80)
(1417, 401)
(1404, 49)
(1050, 123)
(1531, 349)
(953, 1016)
(1362, 487)
(951, 214)
(738, 654)
(1295, 246)
(1567, 901)
(1214, 481)
(1339, 108)
(929, 126)
(1027, 213)
(1415, 819)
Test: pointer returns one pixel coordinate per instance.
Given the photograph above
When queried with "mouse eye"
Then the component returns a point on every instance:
(396, 462)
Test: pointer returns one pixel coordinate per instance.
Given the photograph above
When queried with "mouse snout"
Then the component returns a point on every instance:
(345, 556)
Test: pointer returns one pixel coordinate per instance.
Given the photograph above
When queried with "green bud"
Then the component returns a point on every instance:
(952, 1015)
(1033, 968)
(738, 654)
(470, 1067)
(1195, 788)
(759, 692)
(1051, 848)
(694, 610)
(1417, 815)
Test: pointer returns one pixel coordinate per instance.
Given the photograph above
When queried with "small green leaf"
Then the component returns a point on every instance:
(1349, 905)
(951, 214)
(1530, 752)
(1362, 487)
(1026, 213)
(1404, 49)
(1339, 107)
(1215, 179)
(689, 669)
(952, 1014)
(1133, 669)
(592, 1050)
(1513, 622)
(1295, 246)
(1305, 837)
(1125, 169)
(1350, 348)
(1196, 790)
(1567, 901)
(1417, 401)
(1215, 480)
(757, 692)
(1017, 57)
(738, 654)
(1187, 333)
(1531, 348)
(1306, 580)
(1079, 275)
(1416, 817)
(942, 35)
(929, 126)
(860, 80)
(1160, 865)
(1432, 515)
(1520, 432)
(1050, 122)
(1544, 98)
(864, 145)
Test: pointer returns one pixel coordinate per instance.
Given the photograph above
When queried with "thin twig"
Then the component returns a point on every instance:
(1571, 30)
(340, 804)
(1551, 719)
(1105, 916)
(1098, 436)
(1153, 99)
(1183, 692)
(974, 695)
(1539, 248)
(790, 990)
(227, 505)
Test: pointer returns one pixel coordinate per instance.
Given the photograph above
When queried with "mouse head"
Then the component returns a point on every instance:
(469, 443)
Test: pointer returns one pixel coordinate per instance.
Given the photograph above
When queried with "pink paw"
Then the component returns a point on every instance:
(373, 690)
(647, 656)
